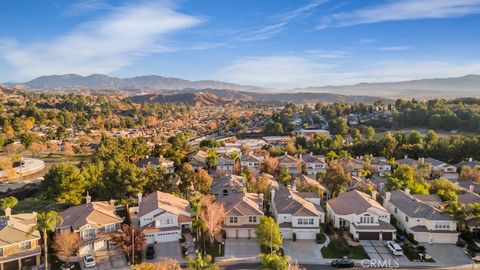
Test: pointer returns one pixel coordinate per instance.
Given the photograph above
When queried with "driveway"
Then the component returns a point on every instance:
(448, 255)
(377, 250)
(303, 251)
(107, 260)
(167, 249)
(241, 248)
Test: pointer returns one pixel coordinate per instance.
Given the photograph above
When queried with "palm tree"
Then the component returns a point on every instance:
(47, 222)
(235, 155)
(8, 203)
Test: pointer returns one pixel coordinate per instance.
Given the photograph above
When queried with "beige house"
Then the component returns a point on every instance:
(166, 164)
(313, 164)
(242, 214)
(94, 222)
(252, 162)
(365, 218)
(291, 163)
(19, 241)
(163, 216)
(225, 163)
(198, 159)
(425, 222)
(227, 184)
(297, 213)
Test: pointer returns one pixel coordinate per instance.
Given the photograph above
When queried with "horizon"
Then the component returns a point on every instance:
(292, 44)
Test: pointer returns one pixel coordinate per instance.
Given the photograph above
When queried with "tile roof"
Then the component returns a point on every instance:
(240, 204)
(18, 228)
(291, 202)
(97, 213)
(415, 208)
(353, 202)
(165, 201)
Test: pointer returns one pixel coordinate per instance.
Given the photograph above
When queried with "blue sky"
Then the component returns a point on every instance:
(272, 43)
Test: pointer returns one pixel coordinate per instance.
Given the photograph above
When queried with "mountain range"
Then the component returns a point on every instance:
(161, 87)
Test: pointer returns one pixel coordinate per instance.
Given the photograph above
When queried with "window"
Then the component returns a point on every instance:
(110, 228)
(25, 245)
(442, 225)
(252, 219)
(396, 211)
(406, 218)
(233, 219)
(305, 221)
(1, 252)
(366, 219)
(88, 233)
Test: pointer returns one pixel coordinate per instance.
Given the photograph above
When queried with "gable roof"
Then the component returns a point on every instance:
(229, 181)
(18, 228)
(312, 159)
(248, 204)
(305, 180)
(353, 202)
(165, 201)
(251, 158)
(97, 213)
(287, 159)
(291, 202)
(415, 208)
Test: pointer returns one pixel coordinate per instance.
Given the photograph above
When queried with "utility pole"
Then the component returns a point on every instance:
(133, 246)
(271, 238)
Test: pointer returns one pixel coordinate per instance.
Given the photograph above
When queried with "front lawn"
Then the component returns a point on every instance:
(338, 248)
(413, 252)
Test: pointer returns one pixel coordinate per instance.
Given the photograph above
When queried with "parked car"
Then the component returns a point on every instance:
(89, 260)
(150, 252)
(395, 248)
(343, 263)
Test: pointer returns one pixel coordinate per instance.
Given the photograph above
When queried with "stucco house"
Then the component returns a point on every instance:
(225, 162)
(365, 218)
(163, 216)
(251, 161)
(380, 166)
(296, 213)
(227, 184)
(19, 241)
(425, 222)
(198, 159)
(291, 163)
(94, 222)
(313, 164)
(242, 214)
(168, 165)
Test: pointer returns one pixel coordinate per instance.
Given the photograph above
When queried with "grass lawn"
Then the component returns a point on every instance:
(338, 248)
(216, 249)
(29, 205)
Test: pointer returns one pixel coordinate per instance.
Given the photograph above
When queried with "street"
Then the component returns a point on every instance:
(245, 266)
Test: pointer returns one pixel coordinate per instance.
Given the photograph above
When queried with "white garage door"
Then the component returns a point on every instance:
(286, 233)
(167, 236)
(306, 234)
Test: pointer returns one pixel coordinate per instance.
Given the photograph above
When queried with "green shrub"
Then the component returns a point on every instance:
(294, 237)
(321, 238)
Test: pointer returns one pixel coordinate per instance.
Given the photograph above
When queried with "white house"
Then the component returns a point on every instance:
(425, 222)
(365, 218)
(296, 214)
(313, 164)
(252, 162)
(162, 216)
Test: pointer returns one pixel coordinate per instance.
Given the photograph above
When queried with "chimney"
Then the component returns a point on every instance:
(470, 188)
(139, 198)
(387, 196)
(88, 199)
(470, 159)
(286, 153)
(8, 211)
(272, 196)
(405, 157)
(112, 202)
(300, 156)
(311, 153)
(407, 191)
(374, 195)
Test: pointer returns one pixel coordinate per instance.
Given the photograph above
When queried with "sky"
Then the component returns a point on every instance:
(269, 43)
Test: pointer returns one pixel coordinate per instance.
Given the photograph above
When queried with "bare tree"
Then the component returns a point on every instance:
(293, 265)
(123, 238)
(66, 245)
(270, 164)
(212, 214)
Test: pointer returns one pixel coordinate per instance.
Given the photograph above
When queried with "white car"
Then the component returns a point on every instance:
(395, 248)
(89, 260)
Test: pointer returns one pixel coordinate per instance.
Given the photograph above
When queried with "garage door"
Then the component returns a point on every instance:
(387, 236)
(306, 235)
(286, 233)
(167, 237)
(12, 265)
(368, 236)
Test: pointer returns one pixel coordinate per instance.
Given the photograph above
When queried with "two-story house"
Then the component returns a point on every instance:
(380, 166)
(166, 164)
(162, 216)
(313, 164)
(291, 163)
(443, 169)
(252, 162)
(305, 183)
(19, 241)
(425, 222)
(227, 184)
(225, 162)
(242, 214)
(94, 222)
(198, 160)
(296, 214)
(365, 218)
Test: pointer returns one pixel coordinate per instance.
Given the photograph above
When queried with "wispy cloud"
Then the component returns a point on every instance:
(394, 48)
(403, 10)
(279, 22)
(301, 70)
(102, 45)
(86, 6)
(367, 40)
(332, 54)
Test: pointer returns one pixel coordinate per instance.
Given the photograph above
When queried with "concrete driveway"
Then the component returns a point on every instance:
(241, 248)
(167, 249)
(114, 259)
(448, 255)
(303, 251)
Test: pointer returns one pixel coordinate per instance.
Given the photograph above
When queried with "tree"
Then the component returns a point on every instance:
(121, 179)
(212, 214)
(356, 135)
(274, 261)
(27, 139)
(8, 203)
(284, 176)
(66, 245)
(201, 263)
(270, 164)
(166, 264)
(369, 133)
(235, 156)
(338, 126)
(336, 179)
(202, 181)
(47, 222)
(212, 158)
(268, 233)
(415, 138)
(389, 144)
(65, 183)
(123, 238)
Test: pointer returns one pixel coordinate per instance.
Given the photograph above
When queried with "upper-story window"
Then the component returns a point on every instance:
(252, 219)
(110, 228)
(406, 218)
(25, 245)
(1, 252)
(305, 221)
(233, 219)
(88, 233)
(442, 225)
(366, 219)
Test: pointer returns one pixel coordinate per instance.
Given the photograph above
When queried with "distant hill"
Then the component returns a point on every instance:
(466, 86)
(207, 97)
